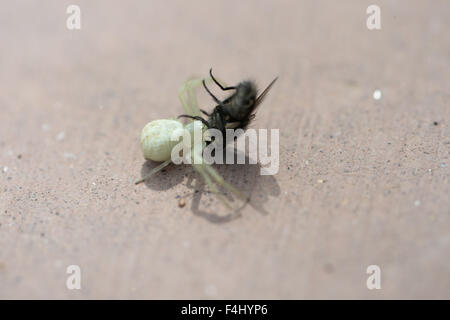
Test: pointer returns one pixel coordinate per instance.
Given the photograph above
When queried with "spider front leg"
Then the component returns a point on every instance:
(200, 169)
(221, 182)
(188, 97)
(204, 168)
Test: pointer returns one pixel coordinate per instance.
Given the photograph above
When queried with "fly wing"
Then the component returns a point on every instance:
(264, 93)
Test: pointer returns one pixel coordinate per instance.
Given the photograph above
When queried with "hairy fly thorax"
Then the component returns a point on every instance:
(242, 103)
(236, 111)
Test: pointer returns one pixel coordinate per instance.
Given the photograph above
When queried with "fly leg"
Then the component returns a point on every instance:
(195, 118)
(218, 83)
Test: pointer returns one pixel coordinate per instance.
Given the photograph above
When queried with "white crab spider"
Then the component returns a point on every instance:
(157, 145)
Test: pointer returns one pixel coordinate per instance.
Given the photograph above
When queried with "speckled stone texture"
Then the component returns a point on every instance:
(361, 181)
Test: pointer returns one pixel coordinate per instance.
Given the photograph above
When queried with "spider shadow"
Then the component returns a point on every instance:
(165, 179)
(246, 178)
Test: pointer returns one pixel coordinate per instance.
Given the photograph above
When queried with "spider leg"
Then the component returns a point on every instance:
(217, 82)
(154, 170)
(221, 182)
(188, 98)
(204, 112)
(201, 169)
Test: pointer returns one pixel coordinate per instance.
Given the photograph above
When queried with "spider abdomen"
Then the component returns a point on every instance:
(156, 143)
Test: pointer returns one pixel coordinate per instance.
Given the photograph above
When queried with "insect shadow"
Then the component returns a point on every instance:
(246, 178)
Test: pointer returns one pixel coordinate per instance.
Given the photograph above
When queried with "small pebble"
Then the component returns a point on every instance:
(320, 181)
(417, 203)
(435, 123)
(377, 94)
(181, 203)
(60, 136)
(443, 165)
(69, 155)
(5, 169)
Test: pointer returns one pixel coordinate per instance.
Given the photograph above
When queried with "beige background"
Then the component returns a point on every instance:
(73, 103)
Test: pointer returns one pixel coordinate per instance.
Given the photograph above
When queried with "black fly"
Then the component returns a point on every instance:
(236, 111)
